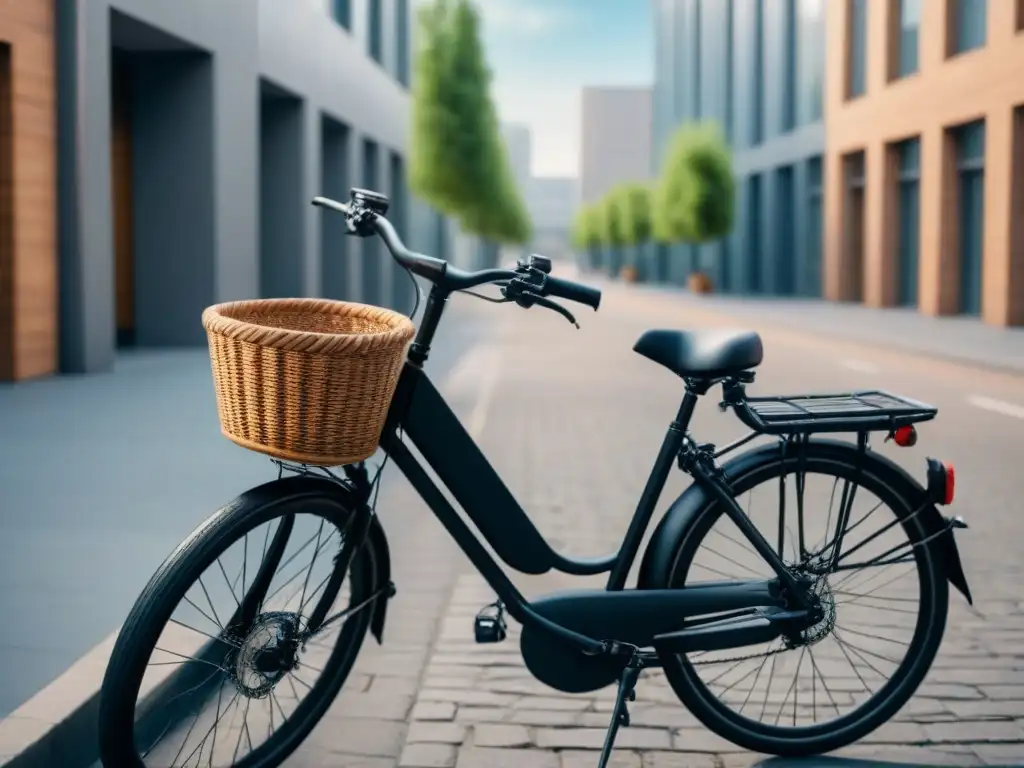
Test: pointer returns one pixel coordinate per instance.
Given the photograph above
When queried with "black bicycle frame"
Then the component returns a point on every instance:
(420, 413)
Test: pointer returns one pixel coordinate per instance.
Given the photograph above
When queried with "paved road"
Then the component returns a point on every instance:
(573, 421)
(101, 477)
(576, 454)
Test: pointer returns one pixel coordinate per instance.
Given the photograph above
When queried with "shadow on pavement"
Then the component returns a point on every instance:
(842, 762)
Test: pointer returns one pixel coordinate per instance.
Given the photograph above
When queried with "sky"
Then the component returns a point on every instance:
(542, 53)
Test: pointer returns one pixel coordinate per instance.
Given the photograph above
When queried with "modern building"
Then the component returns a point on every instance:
(925, 163)
(552, 201)
(755, 68)
(166, 156)
(519, 144)
(615, 139)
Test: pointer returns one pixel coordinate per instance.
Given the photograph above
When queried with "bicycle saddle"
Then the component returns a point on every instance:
(702, 354)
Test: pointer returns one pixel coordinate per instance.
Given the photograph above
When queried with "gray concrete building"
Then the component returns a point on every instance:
(519, 144)
(755, 67)
(552, 201)
(191, 137)
(615, 138)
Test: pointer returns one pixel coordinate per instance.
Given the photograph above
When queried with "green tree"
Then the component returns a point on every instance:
(635, 204)
(464, 163)
(614, 237)
(432, 110)
(586, 232)
(694, 200)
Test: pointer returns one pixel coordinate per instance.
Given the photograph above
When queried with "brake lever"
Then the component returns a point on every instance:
(549, 304)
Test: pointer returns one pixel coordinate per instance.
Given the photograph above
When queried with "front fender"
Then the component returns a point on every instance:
(657, 563)
(377, 540)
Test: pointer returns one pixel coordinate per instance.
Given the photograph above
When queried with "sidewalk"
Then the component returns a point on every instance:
(957, 338)
(575, 455)
(101, 476)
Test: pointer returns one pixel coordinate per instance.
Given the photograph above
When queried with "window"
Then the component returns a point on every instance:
(970, 22)
(907, 37)
(810, 60)
(376, 30)
(371, 265)
(970, 165)
(810, 280)
(857, 53)
(785, 229)
(908, 215)
(758, 78)
(402, 41)
(695, 61)
(730, 80)
(755, 283)
(341, 12)
(789, 62)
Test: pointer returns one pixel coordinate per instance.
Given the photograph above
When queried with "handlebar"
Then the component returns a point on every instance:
(363, 220)
(570, 291)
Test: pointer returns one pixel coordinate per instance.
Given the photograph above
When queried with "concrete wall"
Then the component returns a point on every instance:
(735, 63)
(615, 138)
(207, 75)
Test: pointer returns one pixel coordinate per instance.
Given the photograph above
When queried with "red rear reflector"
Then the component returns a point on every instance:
(950, 483)
(905, 436)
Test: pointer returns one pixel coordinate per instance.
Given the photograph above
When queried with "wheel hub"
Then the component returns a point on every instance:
(823, 609)
(267, 654)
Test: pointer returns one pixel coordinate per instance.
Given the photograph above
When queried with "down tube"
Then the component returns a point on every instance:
(450, 451)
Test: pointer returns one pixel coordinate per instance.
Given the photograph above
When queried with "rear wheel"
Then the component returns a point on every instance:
(884, 610)
(201, 675)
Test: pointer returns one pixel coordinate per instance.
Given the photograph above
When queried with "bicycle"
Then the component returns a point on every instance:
(576, 641)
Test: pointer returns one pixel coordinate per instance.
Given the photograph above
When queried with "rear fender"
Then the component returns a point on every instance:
(658, 560)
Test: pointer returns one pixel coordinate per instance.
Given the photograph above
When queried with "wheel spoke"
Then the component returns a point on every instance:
(834, 670)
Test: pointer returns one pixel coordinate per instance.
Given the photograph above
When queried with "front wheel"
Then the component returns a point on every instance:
(211, 667)
(884, 609)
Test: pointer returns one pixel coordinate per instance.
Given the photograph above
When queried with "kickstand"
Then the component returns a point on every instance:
(620, 715)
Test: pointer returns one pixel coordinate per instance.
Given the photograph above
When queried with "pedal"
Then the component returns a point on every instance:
(489, 625)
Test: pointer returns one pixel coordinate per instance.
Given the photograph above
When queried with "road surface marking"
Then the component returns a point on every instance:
(476, 371)
(859, 365)
(997, 406)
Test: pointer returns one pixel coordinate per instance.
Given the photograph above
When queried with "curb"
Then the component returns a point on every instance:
(58, 726)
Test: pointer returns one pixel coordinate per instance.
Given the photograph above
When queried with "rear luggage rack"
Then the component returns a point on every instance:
(868, 411)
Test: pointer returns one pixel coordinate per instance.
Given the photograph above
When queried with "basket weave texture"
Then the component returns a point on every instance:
(305, 380)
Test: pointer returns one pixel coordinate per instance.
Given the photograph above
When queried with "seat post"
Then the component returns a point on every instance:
(686, 408)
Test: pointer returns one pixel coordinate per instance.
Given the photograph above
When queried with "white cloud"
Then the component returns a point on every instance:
(521, 16)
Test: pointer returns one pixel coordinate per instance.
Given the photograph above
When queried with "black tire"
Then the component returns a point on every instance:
(804, 740)
(155, 606)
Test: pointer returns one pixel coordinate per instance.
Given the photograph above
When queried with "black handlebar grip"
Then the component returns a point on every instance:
(570, 291)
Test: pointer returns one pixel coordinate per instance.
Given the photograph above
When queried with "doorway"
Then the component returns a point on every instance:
(122, 196)
(853, 283)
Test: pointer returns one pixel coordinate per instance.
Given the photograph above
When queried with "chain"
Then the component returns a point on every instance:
(740, 658)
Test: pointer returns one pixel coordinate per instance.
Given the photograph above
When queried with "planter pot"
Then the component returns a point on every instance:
(699, 282)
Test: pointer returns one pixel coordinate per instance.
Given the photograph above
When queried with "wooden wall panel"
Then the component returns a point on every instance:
(28, 192)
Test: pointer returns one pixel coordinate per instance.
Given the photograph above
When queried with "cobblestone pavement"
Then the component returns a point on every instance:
(576, 453)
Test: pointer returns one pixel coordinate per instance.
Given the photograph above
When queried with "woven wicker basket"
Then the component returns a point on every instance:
(305, 380)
